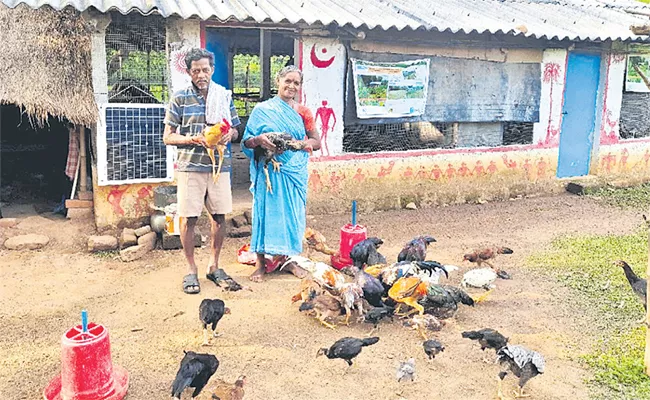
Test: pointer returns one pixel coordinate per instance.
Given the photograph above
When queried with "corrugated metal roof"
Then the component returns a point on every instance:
(576, 20)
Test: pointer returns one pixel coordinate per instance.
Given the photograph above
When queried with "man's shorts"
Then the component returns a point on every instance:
(196, 189)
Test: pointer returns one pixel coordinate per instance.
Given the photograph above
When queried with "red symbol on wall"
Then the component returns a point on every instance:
(436, 172)
(335, 182)
(478, 169)
(646, 157)
(607, 162)
(541, 168)
(527, 166)
(450, 171)
(315, 182)
(178, 61)
(383, 171)
(551, 75)
(608, 129)
(408, 173)
(143, 198)
(114, 198)
(359, 176)
(422, 173)
(618, 57)
(319, 63)
(463, 170)
(325, 113)
(492, 168)
(509, 163)
(623, 163)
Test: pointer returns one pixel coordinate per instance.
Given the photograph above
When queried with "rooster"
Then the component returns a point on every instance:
(316, 241)
(210, 313)
(409, 290)
(365, 252)
(416, 249)
(639, 285)
(442, 300)
(229, 391)
(347, 348)
(213, 135)
(282, 142)
(195, 371)
(523, 363)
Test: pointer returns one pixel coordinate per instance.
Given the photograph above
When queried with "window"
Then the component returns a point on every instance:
(248, 80)
(130, 145)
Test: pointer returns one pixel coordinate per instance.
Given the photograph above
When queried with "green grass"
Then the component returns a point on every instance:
(583, 263)
(637, 197)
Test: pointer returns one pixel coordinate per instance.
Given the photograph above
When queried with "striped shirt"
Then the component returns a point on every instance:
(186, 113)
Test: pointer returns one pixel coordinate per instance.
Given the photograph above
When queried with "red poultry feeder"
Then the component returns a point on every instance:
(87, 371)
(351, 234)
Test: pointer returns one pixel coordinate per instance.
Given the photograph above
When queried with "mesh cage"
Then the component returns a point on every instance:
(248, 80)
(136, 59)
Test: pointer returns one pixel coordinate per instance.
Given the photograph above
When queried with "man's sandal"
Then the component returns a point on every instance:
(191, 284)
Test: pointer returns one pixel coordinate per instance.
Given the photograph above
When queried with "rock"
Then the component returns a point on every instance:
(173, 242)
(128, 238)
(575, 188)
(134, 252)
(27, 242)
(249, 217)
(411, 206)
(243, 231)
(239, 221)
(34, 223)
(102, 243)
(148, 240)
(8, 222)
(142, 231)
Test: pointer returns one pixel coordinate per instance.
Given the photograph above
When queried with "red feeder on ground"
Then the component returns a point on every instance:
(87, 371)
(351, 234)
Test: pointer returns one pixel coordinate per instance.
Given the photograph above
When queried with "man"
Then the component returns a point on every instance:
(185, 121)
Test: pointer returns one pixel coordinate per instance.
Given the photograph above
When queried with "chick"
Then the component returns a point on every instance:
(432, 348)
(406, 370)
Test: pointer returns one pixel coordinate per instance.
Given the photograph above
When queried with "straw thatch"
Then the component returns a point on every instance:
(45, 64)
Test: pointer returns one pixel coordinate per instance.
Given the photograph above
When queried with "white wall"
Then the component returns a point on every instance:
(182, 35)
(323, 64)
(547, 130)
(613, 98)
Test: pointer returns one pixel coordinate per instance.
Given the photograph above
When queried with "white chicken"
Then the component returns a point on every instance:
(322, 273)
(428, 271)
(482, 278)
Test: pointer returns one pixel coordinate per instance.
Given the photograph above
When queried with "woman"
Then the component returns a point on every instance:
(279, 217)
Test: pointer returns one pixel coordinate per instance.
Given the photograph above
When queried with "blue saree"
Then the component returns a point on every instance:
(278, 218)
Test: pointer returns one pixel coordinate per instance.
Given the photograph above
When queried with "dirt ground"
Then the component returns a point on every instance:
(267, 339)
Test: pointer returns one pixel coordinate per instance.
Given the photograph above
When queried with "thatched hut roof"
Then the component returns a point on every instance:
(45, 63)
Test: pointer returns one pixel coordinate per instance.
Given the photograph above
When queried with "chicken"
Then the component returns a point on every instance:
(376, 270)
(320, 272)
(423, 323)
(308, 287)
(375, 314)
(483, 255)
(210, 313)
(432, 348)
(409, 290)
(213, 135)
(223, 280)
(347, 348)
(406, 370)
(282, 142)
(351, 295)
(316, 241)
(523, 363)
(427, 271)
(416, 249)
(195, 371)
(324, 306)
(442, 300)
(373, 290)
(229, 391)
(365, 252)
(487, 338)
(639, 285)
(479, 278)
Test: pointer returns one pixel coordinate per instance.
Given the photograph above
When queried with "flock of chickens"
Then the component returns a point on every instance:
(373, 290)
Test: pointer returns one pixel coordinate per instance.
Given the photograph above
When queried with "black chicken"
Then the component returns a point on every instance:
(373, 289)
(365, 252)
(195, 371)
(376, 314)
(523, 363)
(210, 313)
(416, 249)
(223, 280)
(442, 301)
(639, 285)
(432, 348)
(347, 348)
(282, 142)
(487, 338)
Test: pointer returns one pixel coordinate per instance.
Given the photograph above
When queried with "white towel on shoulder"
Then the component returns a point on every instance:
(217, 105)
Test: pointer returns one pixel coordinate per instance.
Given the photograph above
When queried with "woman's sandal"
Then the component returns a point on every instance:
(191, 284)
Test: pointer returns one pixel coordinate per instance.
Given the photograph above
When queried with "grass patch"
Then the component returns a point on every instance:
(584, 263)
(637, 197)
(107, 255)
